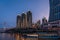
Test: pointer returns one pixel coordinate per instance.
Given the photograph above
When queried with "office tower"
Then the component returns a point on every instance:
(26, 21)
(44, 20)
(29, 19)
(54, 10)
(23, 20)
(18, 21)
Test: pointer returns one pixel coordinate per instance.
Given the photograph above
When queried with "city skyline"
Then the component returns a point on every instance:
(24, 20)
(10, 9)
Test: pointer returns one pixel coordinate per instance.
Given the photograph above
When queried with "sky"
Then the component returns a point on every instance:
(10, 8)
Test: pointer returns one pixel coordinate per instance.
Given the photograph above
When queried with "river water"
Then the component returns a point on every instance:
(8, 36)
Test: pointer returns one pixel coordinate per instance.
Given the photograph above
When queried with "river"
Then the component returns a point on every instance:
(15, 36)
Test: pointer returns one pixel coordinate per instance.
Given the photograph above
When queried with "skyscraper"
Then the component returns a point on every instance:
(18, 21)
(23, 20)
(29, 19)
(54, 10)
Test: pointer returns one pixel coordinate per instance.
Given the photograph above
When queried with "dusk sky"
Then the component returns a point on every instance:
(10, 8)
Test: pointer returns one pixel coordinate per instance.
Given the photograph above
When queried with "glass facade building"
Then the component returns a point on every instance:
(54, 10)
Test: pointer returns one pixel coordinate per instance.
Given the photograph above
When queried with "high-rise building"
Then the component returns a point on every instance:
(29, 19)
(23, 20)
(54, 10)
(18, 21)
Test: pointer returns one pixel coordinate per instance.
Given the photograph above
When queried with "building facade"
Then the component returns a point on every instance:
(25, 20)
(38, 24)
(44, 20)
(54, 16)
(29, 19)
(54, 10)
(18, 21)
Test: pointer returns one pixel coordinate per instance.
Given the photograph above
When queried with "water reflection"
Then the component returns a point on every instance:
(31, 37)
(6, 36)
(17, 36)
